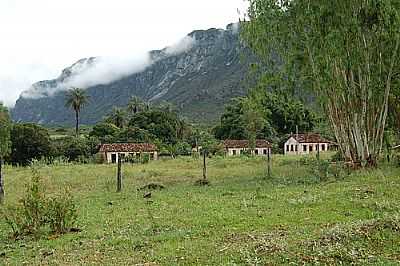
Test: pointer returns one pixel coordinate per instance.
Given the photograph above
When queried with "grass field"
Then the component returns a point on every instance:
(243, 218)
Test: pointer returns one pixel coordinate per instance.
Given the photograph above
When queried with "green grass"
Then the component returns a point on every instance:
(241, 219)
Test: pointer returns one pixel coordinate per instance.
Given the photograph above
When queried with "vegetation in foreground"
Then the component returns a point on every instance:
(241, 218)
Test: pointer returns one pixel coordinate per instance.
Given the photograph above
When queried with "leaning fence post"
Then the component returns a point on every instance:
(119, 175)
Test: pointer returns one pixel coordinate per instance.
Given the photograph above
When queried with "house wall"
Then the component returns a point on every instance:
(109, 155)
(292, 147)
(239, 151)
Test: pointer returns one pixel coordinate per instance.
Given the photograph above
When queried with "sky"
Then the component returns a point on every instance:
(40, 38)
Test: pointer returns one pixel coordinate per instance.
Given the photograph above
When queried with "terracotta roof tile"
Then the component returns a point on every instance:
(309, 138)
(241, 144)
(128, 147)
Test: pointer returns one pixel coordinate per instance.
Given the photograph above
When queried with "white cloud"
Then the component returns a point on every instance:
(39, 38)
(182, 46)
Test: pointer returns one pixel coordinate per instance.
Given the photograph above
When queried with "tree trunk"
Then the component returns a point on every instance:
(204, 166)
(77, 123)
(1, 182)
(119, 175)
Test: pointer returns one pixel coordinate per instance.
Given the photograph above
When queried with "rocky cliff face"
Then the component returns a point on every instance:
(199, 80)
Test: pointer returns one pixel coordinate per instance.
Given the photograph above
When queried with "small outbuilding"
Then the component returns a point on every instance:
(301, 144)
(238, 147)
(112, 152)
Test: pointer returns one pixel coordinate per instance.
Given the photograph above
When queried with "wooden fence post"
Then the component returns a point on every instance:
(119, 175)
(269, 163)
(204, 165)
(1, 182)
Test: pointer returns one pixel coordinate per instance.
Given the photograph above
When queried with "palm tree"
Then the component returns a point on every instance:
(135, 104)
(76, 99)
(117, 117)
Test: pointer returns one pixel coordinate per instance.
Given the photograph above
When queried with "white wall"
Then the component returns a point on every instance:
(240, 151)
(300, 147)
(109, 155)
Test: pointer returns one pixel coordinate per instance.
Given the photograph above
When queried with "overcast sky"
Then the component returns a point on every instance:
(38, 38)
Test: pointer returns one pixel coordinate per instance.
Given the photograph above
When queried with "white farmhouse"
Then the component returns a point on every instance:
(112, 152)
(238, 147)
(301, 144)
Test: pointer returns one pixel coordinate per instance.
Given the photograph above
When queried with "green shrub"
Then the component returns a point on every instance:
(337, 157)
(145, 158)
(37, 213)
(61, 213)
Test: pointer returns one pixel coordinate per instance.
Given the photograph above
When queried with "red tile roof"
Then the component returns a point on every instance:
(241, 144)
(128, 147)
(310, 138)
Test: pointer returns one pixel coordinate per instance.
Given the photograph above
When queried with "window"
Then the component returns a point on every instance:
(234, 152)
(304, 148)
(323, 147)
(311, 148)
(265, 151)
(113, 158)
(151, 156)
(291, 147)
(287, 147)
(296, 148)
(256, 151)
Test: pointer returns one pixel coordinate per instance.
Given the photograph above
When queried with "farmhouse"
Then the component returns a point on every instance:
(300, 144)
(238, 147)
(112, 152)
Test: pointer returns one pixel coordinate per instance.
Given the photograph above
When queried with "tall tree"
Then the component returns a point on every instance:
(29, 142)
(135, 105)
(5, 125)
(117, 117)
(346, 51)
(76, 99)
(254, 118)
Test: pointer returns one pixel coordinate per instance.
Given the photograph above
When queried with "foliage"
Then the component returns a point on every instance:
(165, 126)
(345, 51)
(134, 134)
(117, 117)
(5, 126)
(76, 99)
(272, 113)
(36, 211)
(135, 105)
(105, 132)
(61, 214)
(28, 142)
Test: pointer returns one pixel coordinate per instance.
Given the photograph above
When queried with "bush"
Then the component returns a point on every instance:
(145, 158)
(337, 157)
(322, 170)
(29, 141)
(36, 213)
(61, 213)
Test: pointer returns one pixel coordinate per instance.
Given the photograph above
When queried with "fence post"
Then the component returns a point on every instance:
(269, 162)
(119, 175)
(1, 182)
(204, 165)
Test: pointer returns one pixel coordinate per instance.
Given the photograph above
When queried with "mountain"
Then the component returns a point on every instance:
(198, 76)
